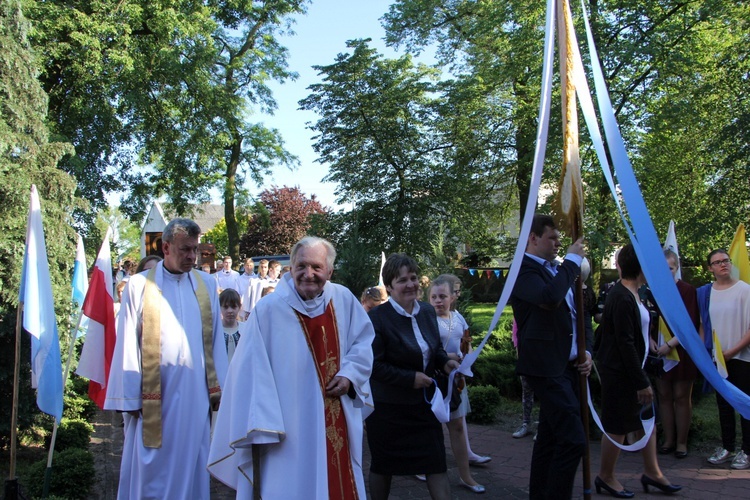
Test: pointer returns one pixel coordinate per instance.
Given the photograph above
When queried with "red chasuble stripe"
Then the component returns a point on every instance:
(323, 339)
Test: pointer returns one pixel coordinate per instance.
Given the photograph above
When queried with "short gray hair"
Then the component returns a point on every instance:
(187, 227)
(312, 241)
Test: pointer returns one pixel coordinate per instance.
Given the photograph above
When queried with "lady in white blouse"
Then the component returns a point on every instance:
(729, 310)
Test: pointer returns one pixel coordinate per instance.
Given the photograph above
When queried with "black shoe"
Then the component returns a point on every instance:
(617, 494)
(680, 454)
(665, 488)
(666, 450)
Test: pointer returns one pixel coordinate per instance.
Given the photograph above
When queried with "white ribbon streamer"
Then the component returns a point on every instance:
(536, 179)
(441, 406)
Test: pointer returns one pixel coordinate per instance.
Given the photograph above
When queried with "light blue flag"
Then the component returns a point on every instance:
(80, 287)
(39, 316)
(80, 283)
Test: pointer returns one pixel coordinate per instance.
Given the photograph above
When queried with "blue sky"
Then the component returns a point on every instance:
(320, 36)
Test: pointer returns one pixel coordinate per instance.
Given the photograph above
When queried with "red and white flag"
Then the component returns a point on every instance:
(98, 306)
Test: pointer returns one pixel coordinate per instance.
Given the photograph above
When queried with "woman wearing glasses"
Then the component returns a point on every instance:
(625, 385)
(729, 312)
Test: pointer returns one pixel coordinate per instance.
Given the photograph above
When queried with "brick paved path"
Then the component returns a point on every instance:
(506, 476)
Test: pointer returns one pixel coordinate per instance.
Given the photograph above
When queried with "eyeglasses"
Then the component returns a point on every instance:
(723, 262)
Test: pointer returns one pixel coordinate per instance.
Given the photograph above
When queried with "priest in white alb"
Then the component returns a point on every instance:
(168, 365)
(297, 391)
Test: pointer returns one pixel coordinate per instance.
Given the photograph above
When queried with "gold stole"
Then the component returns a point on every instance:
(151, 354)
(322, 337)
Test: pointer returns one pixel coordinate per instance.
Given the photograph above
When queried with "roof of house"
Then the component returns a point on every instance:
(206, 215)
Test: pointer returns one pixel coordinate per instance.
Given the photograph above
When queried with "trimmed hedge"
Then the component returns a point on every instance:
(485, 403)
(72, 433)
(73, 474)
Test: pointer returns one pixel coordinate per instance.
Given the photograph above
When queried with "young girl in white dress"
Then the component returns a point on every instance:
(454, 334)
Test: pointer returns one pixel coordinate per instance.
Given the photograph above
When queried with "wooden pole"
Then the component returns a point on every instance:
(256, 471)
(583, 392)
(571, 196)
(11, 485)
(50, 453)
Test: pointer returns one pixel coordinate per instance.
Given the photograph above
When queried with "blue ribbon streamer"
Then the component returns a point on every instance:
(648, 247)
(646, 243)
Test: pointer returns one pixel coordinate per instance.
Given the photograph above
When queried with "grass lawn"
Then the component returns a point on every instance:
(480, 315)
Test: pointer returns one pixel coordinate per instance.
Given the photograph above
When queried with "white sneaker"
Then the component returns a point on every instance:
(721, 455)
(522, 431)
(421, 477)
(740, 461)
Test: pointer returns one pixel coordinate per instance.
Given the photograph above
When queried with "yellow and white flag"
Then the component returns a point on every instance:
(671, 244)
(569, 201)
(672, 359)
(738, 254)
(721, 363)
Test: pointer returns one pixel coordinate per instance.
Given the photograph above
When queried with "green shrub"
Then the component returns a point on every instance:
(485, 402)
(76, 406)
(72, 433)
(498, 368)
(72, 475)
(78, 385)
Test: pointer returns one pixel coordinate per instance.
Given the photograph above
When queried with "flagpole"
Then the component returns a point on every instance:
(48, 471)
(571, 204)
(11, 484)
(584, 387)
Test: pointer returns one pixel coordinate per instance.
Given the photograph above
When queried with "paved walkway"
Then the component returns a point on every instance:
(506, 476)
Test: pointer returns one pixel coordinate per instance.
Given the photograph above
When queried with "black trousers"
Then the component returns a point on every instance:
(560, 441)
(739, 375)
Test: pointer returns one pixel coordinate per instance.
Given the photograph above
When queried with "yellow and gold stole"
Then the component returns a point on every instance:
(151, 354)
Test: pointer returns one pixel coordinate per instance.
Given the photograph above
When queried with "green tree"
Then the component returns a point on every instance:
(27, 156)
(165, 92)
(357, 264)
(405, 150)
(659, 58)
(126, 236)
(496, 48)
(375, 135)
(218, 234)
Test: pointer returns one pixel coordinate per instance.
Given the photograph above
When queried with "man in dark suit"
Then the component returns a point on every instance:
(544, 310)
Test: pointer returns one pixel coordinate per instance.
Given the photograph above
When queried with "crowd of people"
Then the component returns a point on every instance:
(277, 395)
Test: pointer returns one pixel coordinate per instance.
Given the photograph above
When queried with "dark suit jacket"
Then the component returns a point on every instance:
(622, 346)
(545, 327)
(398, 356)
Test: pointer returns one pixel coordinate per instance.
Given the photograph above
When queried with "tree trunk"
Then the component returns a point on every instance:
(229, 195)
(525, 122)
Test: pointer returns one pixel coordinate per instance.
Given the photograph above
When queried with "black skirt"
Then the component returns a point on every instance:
(405, 440)
(621, 412)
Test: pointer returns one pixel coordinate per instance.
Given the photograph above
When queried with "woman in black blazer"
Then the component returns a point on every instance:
(625, 386)
(404, 436)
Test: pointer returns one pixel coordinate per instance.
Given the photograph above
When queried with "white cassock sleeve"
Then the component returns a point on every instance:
(356, 364)
(250, 412)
